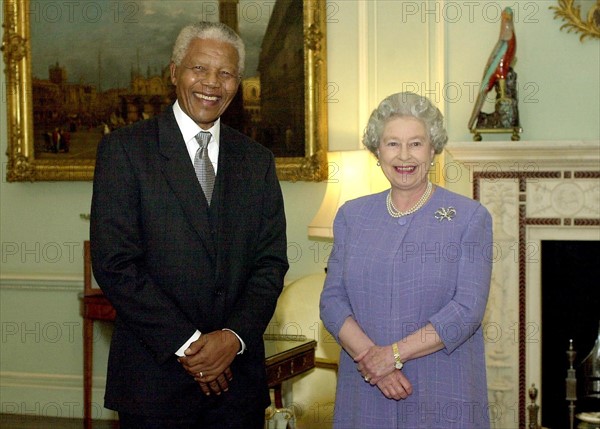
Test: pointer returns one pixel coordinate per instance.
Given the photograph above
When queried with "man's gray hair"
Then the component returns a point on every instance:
(212, 31)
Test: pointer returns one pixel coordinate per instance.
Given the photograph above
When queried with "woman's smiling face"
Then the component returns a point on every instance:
(405, 152)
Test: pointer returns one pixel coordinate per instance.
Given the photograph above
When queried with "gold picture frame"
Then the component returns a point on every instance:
(570, 12)
(23, 164)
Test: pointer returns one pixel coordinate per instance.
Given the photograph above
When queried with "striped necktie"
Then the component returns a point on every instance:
(202, 165)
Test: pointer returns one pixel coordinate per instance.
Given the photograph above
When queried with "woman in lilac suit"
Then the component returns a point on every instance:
(407, 286)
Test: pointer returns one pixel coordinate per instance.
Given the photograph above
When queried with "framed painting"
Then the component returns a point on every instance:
(78, 70)
(570, 11)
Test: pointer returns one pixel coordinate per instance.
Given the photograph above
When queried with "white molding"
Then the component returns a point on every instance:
(42, 282)
(367, 63)
(578, 154)
(52, 395)
(436, 57)
(32, 380)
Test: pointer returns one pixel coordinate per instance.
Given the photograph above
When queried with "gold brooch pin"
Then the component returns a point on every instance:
(443, 213)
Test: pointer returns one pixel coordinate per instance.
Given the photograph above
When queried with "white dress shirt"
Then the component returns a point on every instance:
(189, 129)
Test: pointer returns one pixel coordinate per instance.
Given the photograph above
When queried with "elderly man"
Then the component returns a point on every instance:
(188, 243)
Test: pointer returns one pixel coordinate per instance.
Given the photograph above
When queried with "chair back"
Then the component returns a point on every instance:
(90, 286)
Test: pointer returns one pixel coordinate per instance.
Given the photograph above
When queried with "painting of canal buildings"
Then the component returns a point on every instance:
(106, 65)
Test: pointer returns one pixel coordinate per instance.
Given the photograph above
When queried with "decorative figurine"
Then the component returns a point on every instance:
(533, 408)
(499, 74)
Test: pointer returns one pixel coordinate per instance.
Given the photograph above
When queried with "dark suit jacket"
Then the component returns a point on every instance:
(171, 265)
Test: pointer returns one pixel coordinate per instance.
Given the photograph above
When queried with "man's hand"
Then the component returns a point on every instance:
(217, 386)
(208, 360)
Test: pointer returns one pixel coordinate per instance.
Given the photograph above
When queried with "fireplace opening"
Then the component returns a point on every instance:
(570, 310)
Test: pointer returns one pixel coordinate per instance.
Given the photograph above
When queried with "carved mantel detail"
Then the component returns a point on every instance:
(534, 191)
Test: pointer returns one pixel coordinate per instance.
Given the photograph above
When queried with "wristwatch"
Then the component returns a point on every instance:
(398, 363)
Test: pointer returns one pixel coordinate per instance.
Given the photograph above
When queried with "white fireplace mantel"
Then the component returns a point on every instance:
(535, 191)
(579, 154)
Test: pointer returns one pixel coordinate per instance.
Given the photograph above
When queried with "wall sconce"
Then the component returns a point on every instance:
(352, 174)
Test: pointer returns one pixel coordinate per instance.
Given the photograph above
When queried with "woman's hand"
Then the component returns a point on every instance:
(395, 386)
(375, 363)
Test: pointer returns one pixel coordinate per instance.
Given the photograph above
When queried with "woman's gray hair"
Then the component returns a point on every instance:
(208, 30)
(406, 104)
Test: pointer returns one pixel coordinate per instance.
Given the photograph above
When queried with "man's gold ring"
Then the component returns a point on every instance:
(201, 375)
(367, 378)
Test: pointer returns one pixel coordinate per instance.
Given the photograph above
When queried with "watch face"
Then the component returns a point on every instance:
(399, 365)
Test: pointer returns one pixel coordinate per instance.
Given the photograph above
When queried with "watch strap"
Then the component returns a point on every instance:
(398, 363)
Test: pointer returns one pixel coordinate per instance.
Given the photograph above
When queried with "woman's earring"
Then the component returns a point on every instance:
(378, 163)
(431, 163)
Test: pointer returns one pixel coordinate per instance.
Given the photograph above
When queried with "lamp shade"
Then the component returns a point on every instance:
(352, 174)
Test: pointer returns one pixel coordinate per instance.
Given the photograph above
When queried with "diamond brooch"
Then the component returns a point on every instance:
(445, 213)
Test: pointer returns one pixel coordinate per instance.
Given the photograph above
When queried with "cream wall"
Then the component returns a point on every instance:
(374, 48)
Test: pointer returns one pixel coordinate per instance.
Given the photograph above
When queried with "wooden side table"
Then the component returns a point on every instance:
(286, 358)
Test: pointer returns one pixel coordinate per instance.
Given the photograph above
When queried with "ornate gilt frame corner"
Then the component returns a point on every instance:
(15, 51)
(571, 13)
(313, 166)
(22, 165)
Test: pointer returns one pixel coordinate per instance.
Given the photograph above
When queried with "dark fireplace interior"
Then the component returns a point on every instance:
(570, 310)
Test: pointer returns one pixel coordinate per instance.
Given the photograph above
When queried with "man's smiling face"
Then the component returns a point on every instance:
(206, 80)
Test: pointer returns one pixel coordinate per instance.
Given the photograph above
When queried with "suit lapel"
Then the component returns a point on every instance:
(230, 185)
(179, 173)
(232, 153)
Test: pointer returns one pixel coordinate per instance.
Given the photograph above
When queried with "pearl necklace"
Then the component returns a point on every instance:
(394, 212)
